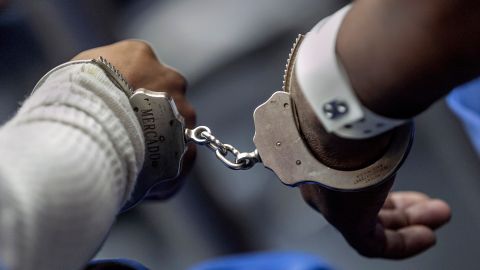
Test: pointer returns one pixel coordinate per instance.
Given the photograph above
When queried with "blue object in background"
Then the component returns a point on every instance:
(253, 261)
(266, 261)
(465, 103)
(119, 264)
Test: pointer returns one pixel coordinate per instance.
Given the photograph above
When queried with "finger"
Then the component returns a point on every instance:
(177, 79)
(407, 242)
(159, 79)
(388, 204)
(393, 218)
(175, 82)
(433, 213)
(186, 110)
(404, 199)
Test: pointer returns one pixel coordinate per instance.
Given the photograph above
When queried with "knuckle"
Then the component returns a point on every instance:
(140, 46)
(125, 43)
(144, 46)
(177, 81)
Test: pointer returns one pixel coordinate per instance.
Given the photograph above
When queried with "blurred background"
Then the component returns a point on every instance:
(233, 54)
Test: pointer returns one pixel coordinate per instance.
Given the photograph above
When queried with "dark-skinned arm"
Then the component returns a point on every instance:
(400, 57)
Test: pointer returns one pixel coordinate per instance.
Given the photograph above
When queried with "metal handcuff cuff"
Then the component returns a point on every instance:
(280, 146)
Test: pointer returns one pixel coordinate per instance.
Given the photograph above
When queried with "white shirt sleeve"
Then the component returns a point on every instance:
(68, 162)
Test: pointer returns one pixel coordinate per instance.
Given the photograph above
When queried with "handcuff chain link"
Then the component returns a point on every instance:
(203, 136)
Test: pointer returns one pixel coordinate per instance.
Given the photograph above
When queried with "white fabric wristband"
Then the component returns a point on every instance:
(327, 88)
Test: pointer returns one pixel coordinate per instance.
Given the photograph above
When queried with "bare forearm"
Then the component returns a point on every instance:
(402, 56)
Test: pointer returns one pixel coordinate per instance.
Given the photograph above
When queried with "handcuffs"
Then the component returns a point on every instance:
(279, 143)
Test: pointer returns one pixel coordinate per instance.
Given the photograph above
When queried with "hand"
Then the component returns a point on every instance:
(138, 63)
(403, 227)
(406, 224)
(356, 214)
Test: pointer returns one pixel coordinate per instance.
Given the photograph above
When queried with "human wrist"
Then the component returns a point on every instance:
(372, 94)
(333, 151)
(348, 140)
(352, 213)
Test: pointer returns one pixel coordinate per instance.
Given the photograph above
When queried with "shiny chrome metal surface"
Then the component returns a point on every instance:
(111, 71)
(283, 150)
(115, 75)
(163, 128)
(203, 136)
(288, 74)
